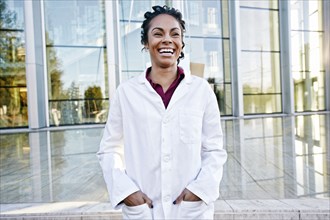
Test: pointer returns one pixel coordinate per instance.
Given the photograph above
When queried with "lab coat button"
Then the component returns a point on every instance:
(166, 158)
(167, 198)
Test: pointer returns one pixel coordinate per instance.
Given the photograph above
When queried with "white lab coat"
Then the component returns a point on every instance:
(163, 151)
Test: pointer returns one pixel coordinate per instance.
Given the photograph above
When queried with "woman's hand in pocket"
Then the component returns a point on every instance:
(186, 195)
(138, 198)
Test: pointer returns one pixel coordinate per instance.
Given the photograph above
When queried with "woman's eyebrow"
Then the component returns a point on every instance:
(157, 28)
(161, 29)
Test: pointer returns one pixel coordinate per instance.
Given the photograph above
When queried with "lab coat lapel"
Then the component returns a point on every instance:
(151, 94)
(180, 91)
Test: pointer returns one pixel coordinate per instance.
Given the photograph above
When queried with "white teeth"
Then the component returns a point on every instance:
(165, 50)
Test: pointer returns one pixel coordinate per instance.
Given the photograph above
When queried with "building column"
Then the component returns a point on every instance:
(113, 45)
(235, 48)
(285, 58)
(35, 75)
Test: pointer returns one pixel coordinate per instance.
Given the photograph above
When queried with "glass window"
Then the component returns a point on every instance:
(209, 52)
(307, 51)
(260, 57)
(259, 30)
(306, 15)
(13, 98)
(273, 4)
(223, 93)
(134, 59)
(75, 22)
(262, 103)
(203, 18)
(131, 10)
(260, 72)
(307, 55)
(76, 62)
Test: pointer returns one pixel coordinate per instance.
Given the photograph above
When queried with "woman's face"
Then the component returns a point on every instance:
(164, 41)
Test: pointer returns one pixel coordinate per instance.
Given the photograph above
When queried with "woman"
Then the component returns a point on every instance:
(161, 151)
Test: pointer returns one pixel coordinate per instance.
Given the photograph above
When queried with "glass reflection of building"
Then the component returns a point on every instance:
(62, 60)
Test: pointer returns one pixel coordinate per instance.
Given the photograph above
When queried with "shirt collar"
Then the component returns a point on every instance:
(180, 74)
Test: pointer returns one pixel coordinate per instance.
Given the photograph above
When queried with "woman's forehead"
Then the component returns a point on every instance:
(164, 20)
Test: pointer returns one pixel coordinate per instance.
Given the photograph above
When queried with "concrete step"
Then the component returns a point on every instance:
(304, 209)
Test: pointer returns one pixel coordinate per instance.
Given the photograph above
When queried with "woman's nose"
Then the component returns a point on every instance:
(167, 38)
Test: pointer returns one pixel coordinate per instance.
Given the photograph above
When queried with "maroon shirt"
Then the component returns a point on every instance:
(166, 97)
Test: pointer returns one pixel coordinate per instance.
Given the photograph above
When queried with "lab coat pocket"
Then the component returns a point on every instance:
(191, 126)
(137, 212)
(194, 210)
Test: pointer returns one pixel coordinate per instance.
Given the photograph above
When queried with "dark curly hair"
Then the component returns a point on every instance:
(158, 10)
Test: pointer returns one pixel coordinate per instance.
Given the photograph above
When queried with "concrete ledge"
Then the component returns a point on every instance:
(304, 209)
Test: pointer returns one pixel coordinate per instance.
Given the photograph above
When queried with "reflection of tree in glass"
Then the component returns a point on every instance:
(56, 93)
(13, 99)
(70, 110)
(93, 106)
(55, 72)
(7, 22)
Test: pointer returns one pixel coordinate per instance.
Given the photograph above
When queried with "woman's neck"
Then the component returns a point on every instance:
(163, 76)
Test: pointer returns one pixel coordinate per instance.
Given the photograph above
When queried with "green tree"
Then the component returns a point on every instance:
(93, 97)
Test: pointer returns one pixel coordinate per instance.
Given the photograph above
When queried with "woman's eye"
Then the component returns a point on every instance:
(157, 34)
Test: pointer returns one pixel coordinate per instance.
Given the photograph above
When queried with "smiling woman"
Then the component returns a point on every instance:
(171, 162)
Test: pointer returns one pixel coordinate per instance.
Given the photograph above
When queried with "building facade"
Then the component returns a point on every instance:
(61, 61)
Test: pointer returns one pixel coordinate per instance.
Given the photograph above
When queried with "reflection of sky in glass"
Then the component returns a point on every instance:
(74, 22)
(84, 66)
(298, 9)
(259, 30)
(260, 69)
(259, 38)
